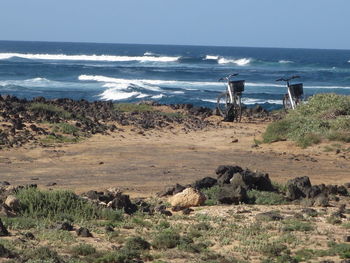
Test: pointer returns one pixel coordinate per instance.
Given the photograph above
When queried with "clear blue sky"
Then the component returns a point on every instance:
(255, 23)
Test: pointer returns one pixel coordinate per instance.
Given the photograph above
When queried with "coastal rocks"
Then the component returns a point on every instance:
(188, 198)
(230, 194)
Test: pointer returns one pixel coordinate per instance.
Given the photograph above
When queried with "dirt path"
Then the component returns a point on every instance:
(142, 164)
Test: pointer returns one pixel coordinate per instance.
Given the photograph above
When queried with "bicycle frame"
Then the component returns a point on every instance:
(290, 97)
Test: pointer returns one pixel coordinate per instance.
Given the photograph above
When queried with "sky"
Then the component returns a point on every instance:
(248, 23)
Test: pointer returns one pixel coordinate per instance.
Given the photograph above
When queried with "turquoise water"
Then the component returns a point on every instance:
(168, 74)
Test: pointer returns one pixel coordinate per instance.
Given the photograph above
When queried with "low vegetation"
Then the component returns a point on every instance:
(324, 116)
(132, 107)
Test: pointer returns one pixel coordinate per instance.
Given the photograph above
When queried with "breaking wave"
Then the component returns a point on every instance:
(109, 58)
(239, 62)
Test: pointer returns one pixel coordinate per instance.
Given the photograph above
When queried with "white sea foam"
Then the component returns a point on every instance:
(212, 57)
(109, 58)
(285, 61)
(251, 84)
(157, 96)
(239, 62)
(149, 82)
(250, 101)
(115, 94)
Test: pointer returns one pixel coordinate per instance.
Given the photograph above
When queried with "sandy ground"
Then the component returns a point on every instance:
(142, 164)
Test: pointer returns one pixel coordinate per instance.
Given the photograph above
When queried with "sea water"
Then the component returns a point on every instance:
(165, 73)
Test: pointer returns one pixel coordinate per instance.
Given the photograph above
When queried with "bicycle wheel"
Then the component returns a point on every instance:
(222, 104)
(237, 109)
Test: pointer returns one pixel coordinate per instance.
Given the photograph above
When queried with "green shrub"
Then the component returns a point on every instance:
(42, 254)
(121, 256)
(52, 139)
(167, 238)
(65, 128)
(211, 195)
(56, 204)
(265, 198)
(296, 225)
(48, 109)
(137, 243)
(324, 116)
(131, 107)
(83, 250)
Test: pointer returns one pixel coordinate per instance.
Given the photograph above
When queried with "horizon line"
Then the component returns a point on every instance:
(153, 44)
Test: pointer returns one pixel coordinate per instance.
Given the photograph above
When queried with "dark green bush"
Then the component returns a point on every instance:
(137, 243)
(83, 250)
(167, 238)
(55, 204)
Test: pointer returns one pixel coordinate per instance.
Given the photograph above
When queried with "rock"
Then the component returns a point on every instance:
(187, 211)
(187, 198)
(206, 182)
(109, 229)
(65, 226)
(29, 235)
(269, 216)
(347, 185)
(166, 212)
(3, 230)
(83, 232)
(122, 201)
(5, 211)
(226, 172)
(12, 202)
(171, 190)
(229, 194)
(4, 183)
(4, 252)
(298, 187)
(342, 190)
(321, 200)
(51, 184)
(250, 180)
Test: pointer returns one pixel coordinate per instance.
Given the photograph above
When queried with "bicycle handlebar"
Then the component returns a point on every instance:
(288, 79)
(229, 76)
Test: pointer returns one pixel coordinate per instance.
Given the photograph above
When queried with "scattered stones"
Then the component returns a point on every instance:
(29, 235)
(51, 184)
(122, 201)
(188, 198)
(346, 238)
(83, 232)
(310, 212)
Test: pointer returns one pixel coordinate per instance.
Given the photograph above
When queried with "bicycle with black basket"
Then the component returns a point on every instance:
(295, 93)
(229, 103)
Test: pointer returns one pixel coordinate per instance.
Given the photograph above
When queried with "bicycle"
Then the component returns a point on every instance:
(294, 95)
(229, 103)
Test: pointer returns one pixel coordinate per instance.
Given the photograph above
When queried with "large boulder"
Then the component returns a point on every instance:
(171, 190)
(250, 180)
(230, 194)
(298, 187)
(188, 198)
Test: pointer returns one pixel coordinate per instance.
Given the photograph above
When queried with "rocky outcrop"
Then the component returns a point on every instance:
(230, 194)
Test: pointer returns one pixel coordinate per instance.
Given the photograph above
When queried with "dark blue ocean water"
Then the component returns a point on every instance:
(168, 74)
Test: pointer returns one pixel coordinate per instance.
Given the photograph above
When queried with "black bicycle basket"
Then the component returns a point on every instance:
(297, 89)
(237, 85)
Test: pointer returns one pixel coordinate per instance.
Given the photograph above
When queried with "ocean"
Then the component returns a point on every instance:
(165, 73)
